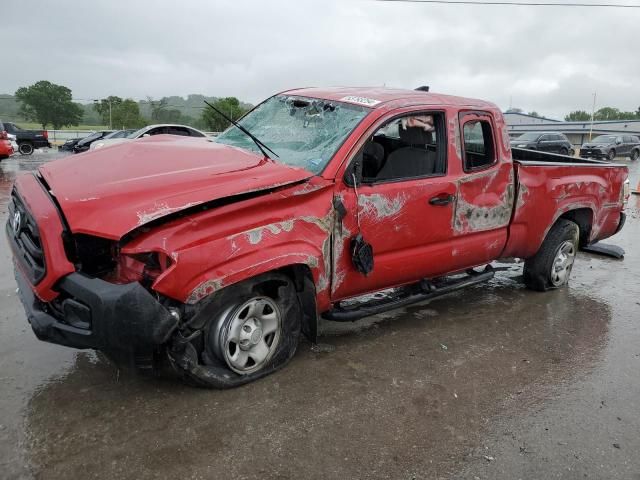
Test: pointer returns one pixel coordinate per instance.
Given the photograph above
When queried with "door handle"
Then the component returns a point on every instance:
(442, 199)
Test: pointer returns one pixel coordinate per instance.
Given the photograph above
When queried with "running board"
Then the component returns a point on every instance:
(418, 292)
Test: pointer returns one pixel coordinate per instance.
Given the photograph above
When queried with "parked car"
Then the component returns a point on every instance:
(216, 255)
(68, 145)
(6, 148)
(545, 142)
(611, 146)
(120, 134)
(13, 140)
(151, 130)
(28, 140)
(84, 143)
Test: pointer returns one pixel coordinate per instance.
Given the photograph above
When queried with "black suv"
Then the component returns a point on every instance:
(612, 146)
(545, 142)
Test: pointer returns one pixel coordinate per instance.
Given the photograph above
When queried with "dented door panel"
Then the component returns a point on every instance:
(411, 239)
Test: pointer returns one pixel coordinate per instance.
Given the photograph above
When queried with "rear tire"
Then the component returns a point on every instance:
(2, 157)
(611, 155)
(635, 154)
(551, 266)
(25, 148)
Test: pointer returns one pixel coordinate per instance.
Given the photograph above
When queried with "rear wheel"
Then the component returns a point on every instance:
(611, 155)
(2, 157)
(25, 148)
(635, 154)
(551, 266)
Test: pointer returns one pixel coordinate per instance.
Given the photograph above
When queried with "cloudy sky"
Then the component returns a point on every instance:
(547, 59)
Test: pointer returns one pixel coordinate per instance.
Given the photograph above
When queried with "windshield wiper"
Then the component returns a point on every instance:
(245, 131)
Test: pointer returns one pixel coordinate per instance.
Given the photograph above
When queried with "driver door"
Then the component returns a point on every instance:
(403, 207)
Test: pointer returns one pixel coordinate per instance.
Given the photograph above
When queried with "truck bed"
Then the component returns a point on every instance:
(524, 156)
(550, 186)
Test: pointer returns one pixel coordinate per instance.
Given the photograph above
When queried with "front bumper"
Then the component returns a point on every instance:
(124, 321)
(592, 153)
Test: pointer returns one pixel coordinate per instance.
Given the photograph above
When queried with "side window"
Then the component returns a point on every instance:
(178, 131)
(545, 138)
(194, 133)
(157, 131)
(411, 146)
(479, 151)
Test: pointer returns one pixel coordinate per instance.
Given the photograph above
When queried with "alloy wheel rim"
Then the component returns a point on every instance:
(563, 263)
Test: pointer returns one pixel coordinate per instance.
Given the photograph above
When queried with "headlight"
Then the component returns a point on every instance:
(142, 267)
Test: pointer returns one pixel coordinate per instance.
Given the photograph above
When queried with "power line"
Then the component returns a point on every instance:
(518, 4)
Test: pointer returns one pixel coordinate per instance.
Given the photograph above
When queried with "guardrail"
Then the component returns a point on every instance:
(58, 137)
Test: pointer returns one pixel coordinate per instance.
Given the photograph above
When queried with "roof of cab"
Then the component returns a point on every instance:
(376, 97)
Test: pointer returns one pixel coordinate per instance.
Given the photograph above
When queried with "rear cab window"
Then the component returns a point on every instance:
(479, 150)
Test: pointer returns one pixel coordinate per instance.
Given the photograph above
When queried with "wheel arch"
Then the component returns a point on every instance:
(583, 217)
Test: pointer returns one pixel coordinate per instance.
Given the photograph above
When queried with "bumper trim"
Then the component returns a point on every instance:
(127, 322)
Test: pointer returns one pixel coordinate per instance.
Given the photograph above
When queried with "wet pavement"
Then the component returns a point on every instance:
(495, 382)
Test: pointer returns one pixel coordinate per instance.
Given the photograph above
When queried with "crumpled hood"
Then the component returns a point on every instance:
(110, 192)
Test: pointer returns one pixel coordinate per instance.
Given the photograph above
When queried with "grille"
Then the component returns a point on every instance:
(22, 230)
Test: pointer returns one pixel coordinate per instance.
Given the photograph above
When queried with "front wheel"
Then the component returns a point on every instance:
(564, 151)
(551, 266)
(250, 329)
(635, 155)
(25, 148)
(611, 155)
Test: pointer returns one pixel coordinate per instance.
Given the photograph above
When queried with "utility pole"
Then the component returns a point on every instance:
(593, 113)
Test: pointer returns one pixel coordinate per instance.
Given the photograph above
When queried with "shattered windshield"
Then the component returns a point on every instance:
(303, 132)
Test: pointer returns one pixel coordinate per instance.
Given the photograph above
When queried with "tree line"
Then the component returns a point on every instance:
(605, 113)
(52, 105)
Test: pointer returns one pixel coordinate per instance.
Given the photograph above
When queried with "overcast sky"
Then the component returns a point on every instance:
(547, 59)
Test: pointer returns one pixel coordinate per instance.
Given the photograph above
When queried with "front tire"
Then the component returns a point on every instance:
(564, 151)
(25, 148)
(551, 266)
(611, 155)
(250, 329)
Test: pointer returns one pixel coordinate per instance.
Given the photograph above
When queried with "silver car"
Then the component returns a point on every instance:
(147, 131)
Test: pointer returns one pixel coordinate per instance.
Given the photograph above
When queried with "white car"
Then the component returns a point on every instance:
(14, 143)
(149, 130)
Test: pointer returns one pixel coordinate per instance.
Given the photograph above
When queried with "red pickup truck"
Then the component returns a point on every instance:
(217, 254)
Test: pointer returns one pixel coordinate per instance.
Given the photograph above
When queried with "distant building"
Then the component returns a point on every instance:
(576, 132)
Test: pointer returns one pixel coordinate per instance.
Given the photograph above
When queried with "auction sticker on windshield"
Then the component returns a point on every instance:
(369, 102)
